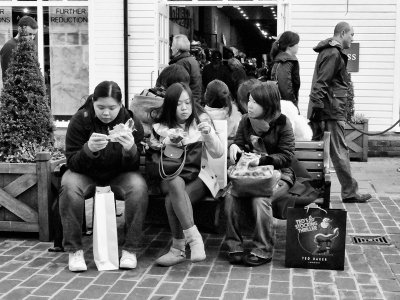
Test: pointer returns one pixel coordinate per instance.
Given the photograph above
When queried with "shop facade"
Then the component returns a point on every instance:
(82, 42)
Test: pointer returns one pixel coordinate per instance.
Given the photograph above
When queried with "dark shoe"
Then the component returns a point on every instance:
(235, 258)
(358, 199)
(254, 260)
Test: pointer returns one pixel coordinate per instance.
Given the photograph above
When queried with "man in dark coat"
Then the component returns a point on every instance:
(327, 106)
(180, 51)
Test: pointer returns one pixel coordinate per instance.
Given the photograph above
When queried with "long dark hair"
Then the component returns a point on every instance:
(102, 90)
(267, 95)
(166, 114)
(287, 39)
(217, 95)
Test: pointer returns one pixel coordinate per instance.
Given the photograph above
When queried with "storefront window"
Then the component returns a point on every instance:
(66, 57)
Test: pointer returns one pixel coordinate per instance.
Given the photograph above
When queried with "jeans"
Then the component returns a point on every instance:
(264, 233)
(178, 203)
(75, 188)
(339, 153)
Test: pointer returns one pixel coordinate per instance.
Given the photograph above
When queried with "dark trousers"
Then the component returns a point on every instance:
(339, 153)
(75, 188)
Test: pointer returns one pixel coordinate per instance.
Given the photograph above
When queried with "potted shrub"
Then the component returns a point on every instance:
(27, 154)
(356, 141)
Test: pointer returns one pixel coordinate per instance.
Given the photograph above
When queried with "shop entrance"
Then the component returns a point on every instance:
(232, 27)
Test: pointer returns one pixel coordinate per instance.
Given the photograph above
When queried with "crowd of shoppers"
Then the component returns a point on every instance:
(192, 99)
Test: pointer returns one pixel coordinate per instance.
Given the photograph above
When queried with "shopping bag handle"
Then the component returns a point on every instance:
(314, 205)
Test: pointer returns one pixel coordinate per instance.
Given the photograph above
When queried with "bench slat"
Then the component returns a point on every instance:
(316, 175)
(309, 155)
(313, 165)
(310, 145)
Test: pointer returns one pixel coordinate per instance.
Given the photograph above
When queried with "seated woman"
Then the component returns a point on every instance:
(219, 105)
(93, 159)
(179, 111)
(275, 138)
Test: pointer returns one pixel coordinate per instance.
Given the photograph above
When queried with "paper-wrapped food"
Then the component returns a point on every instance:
(176, 134)
(121, 129)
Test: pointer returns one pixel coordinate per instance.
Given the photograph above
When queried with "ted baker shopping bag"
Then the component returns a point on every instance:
(315, 238)
(105, 239)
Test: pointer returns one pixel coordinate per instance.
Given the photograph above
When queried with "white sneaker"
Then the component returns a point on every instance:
(76, 262)
(128, 260)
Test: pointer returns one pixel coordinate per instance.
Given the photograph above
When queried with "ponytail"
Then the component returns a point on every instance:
(88, 102)
(275, 50)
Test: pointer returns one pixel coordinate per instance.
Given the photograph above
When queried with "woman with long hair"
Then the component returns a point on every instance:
(93, 159)
(285, 69)
(181, 122)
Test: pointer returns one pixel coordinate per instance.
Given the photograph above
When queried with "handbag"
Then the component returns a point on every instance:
(260, 181)
(143, 107)
(171, 161)
(105, 239)
(315, 238)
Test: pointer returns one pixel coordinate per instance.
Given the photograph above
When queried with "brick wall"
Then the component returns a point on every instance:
(384, 145)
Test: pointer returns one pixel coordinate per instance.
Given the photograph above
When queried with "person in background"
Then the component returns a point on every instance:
(169, 75)
(92, 159)
(237, 76)
(179, 111)
(27, 28)
(274, 133)
(285, 69)
(243, 93)
(327, 105)
(219, 105)
(215, 70)
(180, 55)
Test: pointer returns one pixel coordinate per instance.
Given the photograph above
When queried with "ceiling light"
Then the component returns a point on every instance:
(258, 24)
(247, 18)
(272, 8)
(25, 10)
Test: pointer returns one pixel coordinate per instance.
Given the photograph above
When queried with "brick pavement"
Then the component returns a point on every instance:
(28, 271)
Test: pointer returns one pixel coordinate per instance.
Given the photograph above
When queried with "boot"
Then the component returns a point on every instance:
(195, 241)
(175, 255)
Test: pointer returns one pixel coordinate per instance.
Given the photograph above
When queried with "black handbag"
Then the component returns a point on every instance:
(172, 161)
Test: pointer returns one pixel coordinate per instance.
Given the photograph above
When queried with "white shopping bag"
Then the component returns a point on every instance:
(105, 239)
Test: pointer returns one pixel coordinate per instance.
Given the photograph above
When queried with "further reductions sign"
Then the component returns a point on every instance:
(353, 55)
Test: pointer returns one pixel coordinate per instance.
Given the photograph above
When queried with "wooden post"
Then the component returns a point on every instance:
(44, 193)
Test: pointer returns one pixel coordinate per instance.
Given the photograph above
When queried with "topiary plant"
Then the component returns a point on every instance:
(350, 100)
(26, 125)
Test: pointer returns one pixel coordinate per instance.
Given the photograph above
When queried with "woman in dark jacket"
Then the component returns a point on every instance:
(95, 157)
(180, 52)
(285, 69)
(264, 129)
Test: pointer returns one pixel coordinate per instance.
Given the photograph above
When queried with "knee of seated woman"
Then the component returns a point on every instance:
(177, 183)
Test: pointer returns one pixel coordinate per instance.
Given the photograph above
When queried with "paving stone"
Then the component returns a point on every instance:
(22, 274)
(63, 276)
(16, 251)
(149, 281)
(107, 278)
(391, 296)
(217, 278)
(302, 281)
(51, 268)
(140, 293)
(114, 296)
(79, 283)
(199, 271)
(365, 278)
(392, 258)
(370, 292)
(122, 286)
(259, 279)
(187, 294)
(36, 298)
(279, 297)
(176, 276)
(359, 263)
(168, 288)
(193, 283)
(5, 258)
(66, 295)
(236, 285)
(257, 293)
(11, 266)
(211, 290)
(38, 262)
(94, 292)
(323, 276)
(35, 281)
(233, 296)
(390, 285)
(48, 289)
(302, 293)
(17, 294)
(324, 289)
(280, 275)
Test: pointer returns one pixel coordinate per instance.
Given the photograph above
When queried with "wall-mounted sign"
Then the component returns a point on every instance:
(353, 55)
(180, 16)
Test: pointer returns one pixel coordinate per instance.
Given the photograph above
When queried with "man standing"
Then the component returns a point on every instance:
(27, 28)
(327, 106)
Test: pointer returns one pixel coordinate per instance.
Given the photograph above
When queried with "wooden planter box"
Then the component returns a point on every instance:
(357, 142)
(26, 195)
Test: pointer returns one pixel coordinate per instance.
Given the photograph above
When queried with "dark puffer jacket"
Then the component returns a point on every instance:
(192, 66)
(109, 162)
(286, 71)
(329, 90)
(278, 141)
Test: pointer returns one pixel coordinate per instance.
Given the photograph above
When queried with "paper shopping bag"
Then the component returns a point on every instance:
(105, 239)
(315, 238)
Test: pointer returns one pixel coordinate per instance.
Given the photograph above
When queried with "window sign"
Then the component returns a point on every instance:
(68, 58)
(6, 30)
(353, 55)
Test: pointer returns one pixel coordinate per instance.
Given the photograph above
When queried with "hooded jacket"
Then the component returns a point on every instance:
(109, 162)
(286, 72)
(192, 67)
(329, 90)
